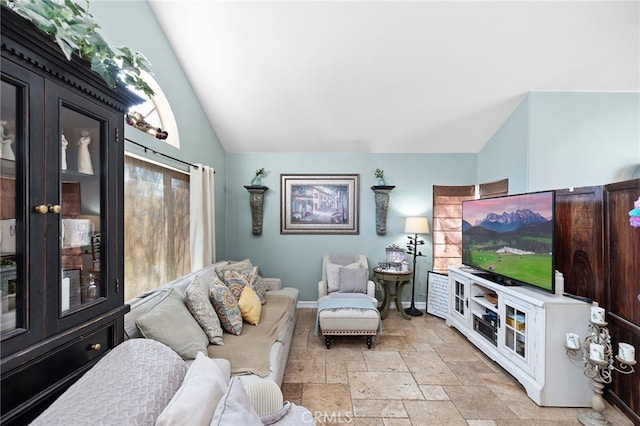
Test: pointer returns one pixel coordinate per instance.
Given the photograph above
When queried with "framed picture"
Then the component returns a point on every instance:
(395, 255)
(319, 204)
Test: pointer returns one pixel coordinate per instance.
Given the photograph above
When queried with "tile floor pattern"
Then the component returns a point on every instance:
(418, 373)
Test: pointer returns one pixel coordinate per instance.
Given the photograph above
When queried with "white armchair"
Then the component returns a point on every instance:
(330, 281)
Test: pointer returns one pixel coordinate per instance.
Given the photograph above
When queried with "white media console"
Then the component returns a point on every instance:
(523, 329)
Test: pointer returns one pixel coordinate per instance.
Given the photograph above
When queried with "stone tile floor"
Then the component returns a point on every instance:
(419, 372)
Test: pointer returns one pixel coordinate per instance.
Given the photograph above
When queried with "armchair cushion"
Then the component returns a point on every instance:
(353, 280)
(333, 274)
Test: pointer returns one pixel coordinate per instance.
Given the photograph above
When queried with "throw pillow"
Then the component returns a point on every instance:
(353, 280)
(236, 281)
(265, 395)
(333, 280)
(234, 408)
(226, 306)
(250, 306)
(171, 323)
(255, 281)
(244, 266)
(198, 303)
(191, 404)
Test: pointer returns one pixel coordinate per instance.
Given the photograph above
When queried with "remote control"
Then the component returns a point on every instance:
(581, 298)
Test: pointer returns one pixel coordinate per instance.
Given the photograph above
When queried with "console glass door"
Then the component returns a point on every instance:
(80, 207)
(11, 289)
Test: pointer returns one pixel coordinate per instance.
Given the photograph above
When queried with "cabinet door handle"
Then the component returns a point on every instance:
(42, 209)
(54, 208)
(96, 347)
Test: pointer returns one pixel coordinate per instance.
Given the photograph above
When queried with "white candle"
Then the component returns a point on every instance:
(596, 352)
(573, 341)
(597, 315)
(627, 352)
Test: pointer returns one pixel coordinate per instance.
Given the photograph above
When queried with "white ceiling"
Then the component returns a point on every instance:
(390, 76)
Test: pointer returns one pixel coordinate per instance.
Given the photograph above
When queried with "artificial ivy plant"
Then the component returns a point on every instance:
(75, 31)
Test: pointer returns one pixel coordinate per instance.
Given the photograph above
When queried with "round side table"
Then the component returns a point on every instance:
(388, 279)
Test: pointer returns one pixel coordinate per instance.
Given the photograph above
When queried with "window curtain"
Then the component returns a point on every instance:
(447, 219)
(203, 223)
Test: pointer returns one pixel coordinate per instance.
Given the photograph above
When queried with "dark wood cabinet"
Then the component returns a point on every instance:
(622, 287)
(61, 169)
(578, 235)
(598, 252)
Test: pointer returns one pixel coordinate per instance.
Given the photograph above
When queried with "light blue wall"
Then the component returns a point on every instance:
(558, 140)
(133, 24)
(551, 140)
(583, 139)
(505, 156)
(297, 259)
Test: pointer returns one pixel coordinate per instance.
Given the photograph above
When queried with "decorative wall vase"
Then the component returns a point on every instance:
(382, 205)
(256, 202)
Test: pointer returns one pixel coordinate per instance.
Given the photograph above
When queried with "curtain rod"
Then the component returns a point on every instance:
(161, 154)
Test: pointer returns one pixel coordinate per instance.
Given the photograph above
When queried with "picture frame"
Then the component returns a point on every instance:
(319, 204)
(395, 255)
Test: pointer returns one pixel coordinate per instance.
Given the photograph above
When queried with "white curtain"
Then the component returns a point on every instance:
(203, 219)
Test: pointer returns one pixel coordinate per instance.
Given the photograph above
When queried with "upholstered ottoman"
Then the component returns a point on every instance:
(347, 316)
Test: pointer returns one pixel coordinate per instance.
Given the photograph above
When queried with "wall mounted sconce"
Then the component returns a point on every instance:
(382, 205)
(256, 202)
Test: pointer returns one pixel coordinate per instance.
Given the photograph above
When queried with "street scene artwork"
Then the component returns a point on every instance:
(319, 204)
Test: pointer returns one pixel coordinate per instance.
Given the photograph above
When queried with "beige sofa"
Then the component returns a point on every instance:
(268, 343)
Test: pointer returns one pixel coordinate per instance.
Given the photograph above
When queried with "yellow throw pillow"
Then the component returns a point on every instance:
(250, 305)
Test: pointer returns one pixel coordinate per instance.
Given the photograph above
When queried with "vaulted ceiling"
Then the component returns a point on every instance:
(391, 76)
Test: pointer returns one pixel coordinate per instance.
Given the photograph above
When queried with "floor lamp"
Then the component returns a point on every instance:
(415, 226)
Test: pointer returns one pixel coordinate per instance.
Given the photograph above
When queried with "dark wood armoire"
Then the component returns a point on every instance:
(598, 251)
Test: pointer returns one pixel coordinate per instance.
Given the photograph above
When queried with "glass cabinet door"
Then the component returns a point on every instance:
(459, 298)
(81, 146)
(11, 291)
(515, 330)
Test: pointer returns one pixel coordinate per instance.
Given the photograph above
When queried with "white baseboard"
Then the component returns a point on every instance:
(308, 304)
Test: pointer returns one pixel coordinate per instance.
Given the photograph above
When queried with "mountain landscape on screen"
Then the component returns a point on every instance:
(511, 237)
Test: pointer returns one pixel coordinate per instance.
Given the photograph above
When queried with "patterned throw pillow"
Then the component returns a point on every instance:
(244, 266)
(226, 306)
(255, 281)
(198, 303)
(236, 281)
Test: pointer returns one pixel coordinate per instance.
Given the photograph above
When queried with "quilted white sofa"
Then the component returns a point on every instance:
(143, 382)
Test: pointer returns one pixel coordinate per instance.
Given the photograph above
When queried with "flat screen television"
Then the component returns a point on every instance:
(510, 239)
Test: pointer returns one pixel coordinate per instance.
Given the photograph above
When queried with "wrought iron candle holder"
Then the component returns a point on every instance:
(599, 370)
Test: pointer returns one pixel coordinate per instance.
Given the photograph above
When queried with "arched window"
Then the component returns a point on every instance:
(156, 111)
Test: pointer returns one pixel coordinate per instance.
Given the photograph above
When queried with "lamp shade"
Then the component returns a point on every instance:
(416, 225)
